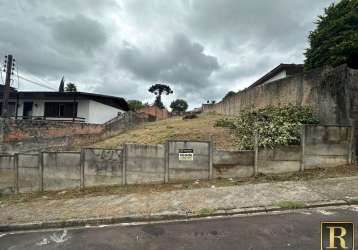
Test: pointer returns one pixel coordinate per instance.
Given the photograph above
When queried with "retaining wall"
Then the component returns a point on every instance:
(28, 173)
(144, 163)
(233, 164)
(102, 166)
(7, 174)
(327, 146)
(333, 102)
(35, 135)
(279, 160)
(321, 146)
(61, 170)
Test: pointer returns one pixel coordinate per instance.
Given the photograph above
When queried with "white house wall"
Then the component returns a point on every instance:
(100, 113)
(38, 108)
(92, 111)
(278, 76)
(83, 109)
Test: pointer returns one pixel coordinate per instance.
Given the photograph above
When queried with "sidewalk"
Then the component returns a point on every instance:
(182, 202)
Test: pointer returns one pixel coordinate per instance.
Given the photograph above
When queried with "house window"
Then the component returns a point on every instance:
(11, 108)
(60, 109)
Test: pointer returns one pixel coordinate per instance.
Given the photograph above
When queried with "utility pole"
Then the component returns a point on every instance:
(9, 67)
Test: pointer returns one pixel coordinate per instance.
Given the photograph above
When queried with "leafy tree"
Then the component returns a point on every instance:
(135, 104)
(335, 40)
(228, 94)
(158, 90)
(70, 87)
(179, 105)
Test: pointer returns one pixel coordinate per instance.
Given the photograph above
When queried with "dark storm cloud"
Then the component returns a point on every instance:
(181, 61)
(258, 22)
(223, 45)
(33, 51)
(79, 32)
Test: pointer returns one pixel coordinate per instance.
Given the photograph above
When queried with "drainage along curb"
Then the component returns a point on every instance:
(163, 217)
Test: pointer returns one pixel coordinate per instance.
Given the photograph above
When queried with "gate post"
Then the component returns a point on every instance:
(82, 168)
(16, 169)
(41, 170)
(166, 163)
(211, 151)
(303, 145)
(352, 145)
(256, 149)
(124, 164)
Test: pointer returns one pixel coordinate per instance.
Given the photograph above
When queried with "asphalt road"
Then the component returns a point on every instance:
(291, 230)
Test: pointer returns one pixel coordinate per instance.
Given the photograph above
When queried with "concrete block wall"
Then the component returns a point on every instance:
(28, 173)
(198, 168)
(60, 170)
(228, 164)
(321, 146)
(327, 146)
(7, 174)
(144, 163)
(102, 167)
(279, 160)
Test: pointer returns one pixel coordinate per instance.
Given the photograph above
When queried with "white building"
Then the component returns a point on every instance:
(281, 71)
(68, 106)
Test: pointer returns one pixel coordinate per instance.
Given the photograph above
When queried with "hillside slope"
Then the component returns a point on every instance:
(158, 132)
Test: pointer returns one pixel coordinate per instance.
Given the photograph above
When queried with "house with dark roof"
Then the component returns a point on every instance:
(63, 106)
(281, 71)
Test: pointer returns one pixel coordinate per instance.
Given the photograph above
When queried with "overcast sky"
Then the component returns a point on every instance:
(201, 48)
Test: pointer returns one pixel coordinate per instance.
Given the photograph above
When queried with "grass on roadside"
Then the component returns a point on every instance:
(354, 201)
(206, 211)
(291, 204)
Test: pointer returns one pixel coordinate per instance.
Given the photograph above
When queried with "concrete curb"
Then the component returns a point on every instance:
(165, 216)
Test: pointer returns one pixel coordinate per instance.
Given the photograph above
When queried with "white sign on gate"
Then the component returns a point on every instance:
(186, 154)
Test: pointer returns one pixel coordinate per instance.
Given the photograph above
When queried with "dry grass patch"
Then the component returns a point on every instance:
(200, 128)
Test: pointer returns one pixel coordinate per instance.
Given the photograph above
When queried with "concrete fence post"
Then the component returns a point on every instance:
(16, 170)
(166, 163)
(82, 168)
(256, 149)
(211, 152)
(41, 170)
(124, 164)
(303, 144)
(351, 145)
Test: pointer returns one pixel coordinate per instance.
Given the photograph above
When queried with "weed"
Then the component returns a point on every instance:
(206, 211)
(291, 204)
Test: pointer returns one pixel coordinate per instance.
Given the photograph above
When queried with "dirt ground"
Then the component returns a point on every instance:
(201, 128)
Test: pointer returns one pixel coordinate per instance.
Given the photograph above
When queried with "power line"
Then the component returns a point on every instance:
(29, 80)
(36, 83)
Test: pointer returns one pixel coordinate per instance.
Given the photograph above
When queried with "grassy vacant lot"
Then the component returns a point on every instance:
(174, 128)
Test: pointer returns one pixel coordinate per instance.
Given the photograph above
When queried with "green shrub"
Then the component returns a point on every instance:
(274, 125)
(206, 211)
(291, 204)
(225, 123)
